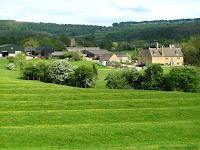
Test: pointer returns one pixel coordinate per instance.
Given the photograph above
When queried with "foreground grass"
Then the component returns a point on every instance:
(37, 115)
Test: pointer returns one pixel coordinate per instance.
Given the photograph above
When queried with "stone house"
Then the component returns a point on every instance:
(124, 57)
(167, 56)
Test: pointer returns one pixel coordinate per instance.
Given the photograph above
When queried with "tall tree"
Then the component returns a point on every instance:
(191, 50)
(30, 42)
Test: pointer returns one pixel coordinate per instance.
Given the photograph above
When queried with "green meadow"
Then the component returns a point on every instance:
(37, 115)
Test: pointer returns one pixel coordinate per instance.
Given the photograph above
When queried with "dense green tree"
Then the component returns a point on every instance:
(184, 79)
(46, 42)
(65, 40)
(83, 76)
(191, 50)
(153, 77)
(30, 42)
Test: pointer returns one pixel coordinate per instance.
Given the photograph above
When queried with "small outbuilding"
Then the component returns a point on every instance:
(29, 51)
(96, 54)
(108, 59)
(8, 50)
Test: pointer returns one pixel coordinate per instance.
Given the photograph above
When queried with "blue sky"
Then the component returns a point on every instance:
(97, 12)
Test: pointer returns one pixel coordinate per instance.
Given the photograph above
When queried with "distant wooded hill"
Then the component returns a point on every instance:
(131, 32)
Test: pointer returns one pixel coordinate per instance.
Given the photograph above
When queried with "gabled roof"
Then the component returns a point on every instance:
(154, 52)
(106, 57)
(167, 52)
(173, 52)
(99, 52)
(82, 48)
(122, 54)
(143, 53)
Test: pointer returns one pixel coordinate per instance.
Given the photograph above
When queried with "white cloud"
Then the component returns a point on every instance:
(100, 12)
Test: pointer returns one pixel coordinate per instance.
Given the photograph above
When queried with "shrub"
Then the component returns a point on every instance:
(59, 71)
(11, 59)
(83, 76)
(115, 80)
(66, 55)
(28, 70)
(184, 79)
(22, 63)
(76, 56)
(41, 70)
(153, 77)
(133, 78)
(11, 66)
(20, 56)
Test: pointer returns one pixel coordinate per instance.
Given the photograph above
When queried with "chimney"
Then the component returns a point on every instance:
(170, 46)
(73, 43)
(157, 45)
(162, 51)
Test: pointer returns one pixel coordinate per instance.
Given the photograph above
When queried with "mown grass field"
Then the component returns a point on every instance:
(37, 115)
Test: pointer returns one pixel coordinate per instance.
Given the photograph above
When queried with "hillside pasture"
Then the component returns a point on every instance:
(37, 115)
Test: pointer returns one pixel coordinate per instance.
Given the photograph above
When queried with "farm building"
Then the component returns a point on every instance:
(95, 54)
(57, 54)
(10, 50)
(44, 50)
(80, 49)
(29, 51)
(124, 57)
(167, 56)
(108, 59)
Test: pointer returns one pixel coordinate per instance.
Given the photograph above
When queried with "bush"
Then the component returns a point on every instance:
(11, 59)
(11, 66)
(115, 80)
(20, 56)
(59, 71)
(76, 56)
(28, 71)
(184, 79)
(83, 76)
(125, 79)
(66, 55)
(41, 70)
(153, 77)
(133, 78)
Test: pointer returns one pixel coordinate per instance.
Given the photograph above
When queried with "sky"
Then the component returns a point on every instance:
(97, 12)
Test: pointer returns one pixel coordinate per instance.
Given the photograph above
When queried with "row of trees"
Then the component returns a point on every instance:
(181, 79)
(60, 72)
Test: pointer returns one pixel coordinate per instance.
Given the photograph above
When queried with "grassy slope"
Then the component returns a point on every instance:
(36, 115)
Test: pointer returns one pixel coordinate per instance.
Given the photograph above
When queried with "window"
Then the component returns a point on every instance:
(166, 58)
(178, 63)
(166, 64)
(178, 58)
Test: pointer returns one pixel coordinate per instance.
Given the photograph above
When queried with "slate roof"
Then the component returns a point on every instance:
(99, 52)
(76, 49)
(122, 54)
(143, 53)
(167, 52)
(106, 57)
